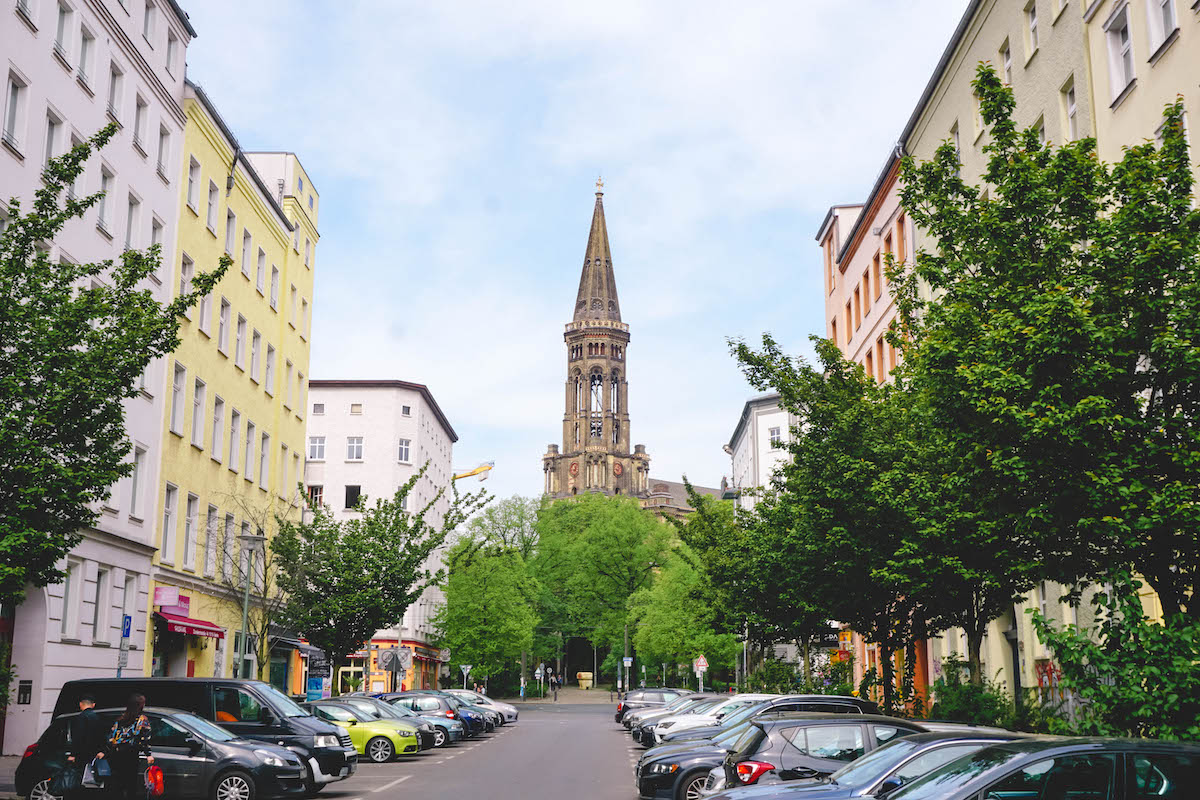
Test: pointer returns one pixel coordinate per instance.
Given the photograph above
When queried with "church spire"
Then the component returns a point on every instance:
(597, 298)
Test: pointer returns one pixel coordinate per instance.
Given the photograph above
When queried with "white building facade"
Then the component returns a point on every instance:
(367, 439)
(70, 68)
(758, 445)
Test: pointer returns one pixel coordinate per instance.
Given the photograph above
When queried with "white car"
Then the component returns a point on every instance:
(711, 716)
(508, 712)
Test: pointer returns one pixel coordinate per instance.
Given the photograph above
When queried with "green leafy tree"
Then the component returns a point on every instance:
(74, 338)
(509, 524)
(346, 579)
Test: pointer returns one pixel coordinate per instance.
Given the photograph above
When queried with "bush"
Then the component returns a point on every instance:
(957, 700)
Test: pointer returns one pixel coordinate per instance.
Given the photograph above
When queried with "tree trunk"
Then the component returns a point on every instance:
(806, 650)
(887, 678)
(974, 665)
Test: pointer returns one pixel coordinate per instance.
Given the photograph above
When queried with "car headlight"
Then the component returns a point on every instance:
(269, 758)
(665, 724)
(325, 740)
(662, 768)
(407, 734)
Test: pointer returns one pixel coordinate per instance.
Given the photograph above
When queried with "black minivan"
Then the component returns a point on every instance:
(248, 709)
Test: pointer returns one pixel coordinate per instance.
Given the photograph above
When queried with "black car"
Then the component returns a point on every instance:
(1058, 767)
(794, 745)
(896, 763)
(198, 759)
(643, 722)
(785, 704)
(636, 699)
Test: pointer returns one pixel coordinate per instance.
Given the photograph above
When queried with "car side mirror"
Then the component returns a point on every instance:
(192, 743)
(889, 785)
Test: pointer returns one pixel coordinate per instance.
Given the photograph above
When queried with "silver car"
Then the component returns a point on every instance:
(508, 713)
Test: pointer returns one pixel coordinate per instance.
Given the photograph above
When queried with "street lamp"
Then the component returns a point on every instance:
(247, 539)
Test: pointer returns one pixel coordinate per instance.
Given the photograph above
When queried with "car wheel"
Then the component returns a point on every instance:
(440, 737)
(692, 786)
(41, 791)
(233, 785)
(380, 750)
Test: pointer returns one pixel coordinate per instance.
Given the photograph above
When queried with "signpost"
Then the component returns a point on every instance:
(123, 653)
(628, 661)
(701, 666)
(466, 670)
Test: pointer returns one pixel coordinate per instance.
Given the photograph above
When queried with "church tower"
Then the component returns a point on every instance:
(595, 455)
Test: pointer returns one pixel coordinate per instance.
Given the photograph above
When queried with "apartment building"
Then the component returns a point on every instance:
(72, 67)
(758, 446)
(233, 431)
(366, 439)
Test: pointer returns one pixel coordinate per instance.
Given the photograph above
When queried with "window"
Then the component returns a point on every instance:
(223, 326)
(211, 521)
(776, 437)
(115, 82)
(837, 742)
(227, 547)
(217, 440)
(901, 241)
(318, 408)
(187, 269)
(356, 408)
(354, 448)
(164, 150)
(14, 111)
(177, 387)
(1040, 127)
(1087, 775)
(189, 532)
(255, 347)
(1069, 111)
(248, 463)
(1120, 51)
(172, 51)
(129, 597)
(76, 187)
(133, 210)
(833, 335)
(1031, 28)
(316, 496)
(167, 545)
(283, 470)
(247, 246)
(269, 377)
(353, 495)
(404, 503)
(87, 44)
(274, 288)
(60, 31)
(1161, 15)
(156, 236)
(148, 22)
(205, 323)
(103, 208)
(260, 280)
(287, 380)
(304, 318)
(954, 138)
(70, 612)
(857, 306)
(307, 252)
(235, 427)
(931, 760)
(236, 705)
(135, 482)
(140, 112)
(264, 461)
(1163, 775)
(239, 347)
(193, 185)
(300, 184)
(198, 394)
(213, 200)
(879, 357)
(292, 306)
(404, 455)
(406, 411)
(53, 131)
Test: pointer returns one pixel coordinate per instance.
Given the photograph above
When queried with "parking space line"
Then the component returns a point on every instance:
(393, 783)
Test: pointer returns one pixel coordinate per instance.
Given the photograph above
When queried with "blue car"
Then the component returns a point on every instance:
(430, 704)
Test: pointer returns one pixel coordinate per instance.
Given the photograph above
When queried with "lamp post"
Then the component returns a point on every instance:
(247, 539)
(745, 665)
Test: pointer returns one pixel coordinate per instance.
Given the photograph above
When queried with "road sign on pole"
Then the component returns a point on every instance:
(123, 653)
(466, 670)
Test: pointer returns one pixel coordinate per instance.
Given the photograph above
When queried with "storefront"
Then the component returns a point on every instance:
(182, 645)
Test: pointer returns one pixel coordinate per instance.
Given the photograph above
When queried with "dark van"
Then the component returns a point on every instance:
(248, 709)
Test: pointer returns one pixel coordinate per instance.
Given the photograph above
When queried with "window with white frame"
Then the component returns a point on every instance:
(356, 408)
(274, 288)
(76, 187)
(211, 521)
(87, 46)
(133, 211)
(301, 398)
(406, 411)
(255, 348)
(172, 51)
(269, 373)
(213, 201)
(148, 19)
(54, 128)
(239, 348)
(316, 448)
(101, 603)
(404, 454)
(354, 448)
(15, 97)
(1031, 28)
(205, 322)
(260, 279)
(307, 252)
(248, 467)
(228, 537)
(129, 597)
(1162, 22)
(303, 318)
(1120, 50)
(292, 304)
(167, 544)
(177, 390)
(72, 586)
(137, 476)
(104, 206)
(217, 440)
(283, 470)
(264, 462)
(190, 521)
(230, 230)
(141, 112)
(235, 430)
(318, 409)
(199, 391)
(116, 82)
(776, 437)
(287, 380)
(1006, 62)
(164, 151)
(316, 496)
(187, 270)
(1070, 111)
(247, 248)
(193, 186)
(223, 326)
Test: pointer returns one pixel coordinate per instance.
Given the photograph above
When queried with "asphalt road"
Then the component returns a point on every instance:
(573, 752)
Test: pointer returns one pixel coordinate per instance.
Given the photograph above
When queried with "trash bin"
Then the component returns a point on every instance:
(585, 679)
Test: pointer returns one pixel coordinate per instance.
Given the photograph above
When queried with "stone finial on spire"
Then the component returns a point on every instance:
(599, 185)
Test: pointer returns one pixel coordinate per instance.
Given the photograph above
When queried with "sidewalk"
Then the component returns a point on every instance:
(8, 769)
(568, 694)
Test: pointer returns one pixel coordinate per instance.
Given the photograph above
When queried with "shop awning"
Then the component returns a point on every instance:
(192, 627)
(296, 644)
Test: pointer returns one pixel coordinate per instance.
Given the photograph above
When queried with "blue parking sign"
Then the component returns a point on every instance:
(126, 626)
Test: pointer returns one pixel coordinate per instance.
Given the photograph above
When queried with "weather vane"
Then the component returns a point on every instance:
(599, 184)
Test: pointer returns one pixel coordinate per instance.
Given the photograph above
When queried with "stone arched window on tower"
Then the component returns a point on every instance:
(578, 392)
(614, 395)
(597, 405)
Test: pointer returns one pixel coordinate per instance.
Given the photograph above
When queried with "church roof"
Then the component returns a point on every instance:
(597, 298)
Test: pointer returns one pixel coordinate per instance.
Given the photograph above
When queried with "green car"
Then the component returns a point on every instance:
(378, 739)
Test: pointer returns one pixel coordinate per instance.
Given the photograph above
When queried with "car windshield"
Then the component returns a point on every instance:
(956, 773)
(370, 709)
(748, 741)
(700, 708)
(280, 702)
(339, 713)
(874, 765)
(204, 727)
(727, 737)
(682, 702)
(741, 715)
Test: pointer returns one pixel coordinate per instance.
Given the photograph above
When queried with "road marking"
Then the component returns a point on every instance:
(393, 783)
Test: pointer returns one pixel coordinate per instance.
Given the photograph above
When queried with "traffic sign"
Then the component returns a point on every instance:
(701, 664)
(444, 654)
(537, 673)
(466, 669)
(628, 661)
(126, 626)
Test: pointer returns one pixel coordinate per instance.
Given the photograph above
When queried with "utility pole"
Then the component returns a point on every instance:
(627, 655)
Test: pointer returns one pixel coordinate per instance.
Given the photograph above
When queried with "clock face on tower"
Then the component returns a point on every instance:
(618, 469)
(574, 468)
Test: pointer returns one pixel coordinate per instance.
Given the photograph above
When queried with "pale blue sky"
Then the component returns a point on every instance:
(455, 146)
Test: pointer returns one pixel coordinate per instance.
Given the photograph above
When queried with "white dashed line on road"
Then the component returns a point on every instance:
(393, 783)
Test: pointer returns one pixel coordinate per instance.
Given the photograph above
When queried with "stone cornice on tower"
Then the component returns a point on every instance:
(597, 297)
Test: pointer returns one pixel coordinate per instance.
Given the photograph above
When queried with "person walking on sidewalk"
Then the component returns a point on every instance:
(86, 741)
(128, 741)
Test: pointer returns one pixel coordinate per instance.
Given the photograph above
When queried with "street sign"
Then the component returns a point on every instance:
(537, 673)
(404, 657)
(126, 626)
(318, 665)
(466, 669)
(701, 664)
(444, 655)
(122, 658)
(628, 661)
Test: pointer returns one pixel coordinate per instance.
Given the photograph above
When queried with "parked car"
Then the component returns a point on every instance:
(1057, 767)
(491, 719)
(440, 730)
(427, 704)
(248, 709)
(645, 698)
(810, 703)
(710, 717)
(507, 711)
(796, 746)
(380, 740)
(643, 722)
(198, 759)
(894, 764)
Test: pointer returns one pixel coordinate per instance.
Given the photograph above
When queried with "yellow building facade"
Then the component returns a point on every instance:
(233, 441)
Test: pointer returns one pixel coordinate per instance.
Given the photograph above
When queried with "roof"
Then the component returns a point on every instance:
(183, 17)
(678, 492)
(426, 395)
(821, 717)
(597, 297)
(829, 217)
(758, 400)
(882, 183)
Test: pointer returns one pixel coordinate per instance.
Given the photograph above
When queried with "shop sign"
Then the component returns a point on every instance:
(166, 595)
(318, 665)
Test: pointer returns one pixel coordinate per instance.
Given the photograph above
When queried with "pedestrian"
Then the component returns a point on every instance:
(128, 741)
(87, 735)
